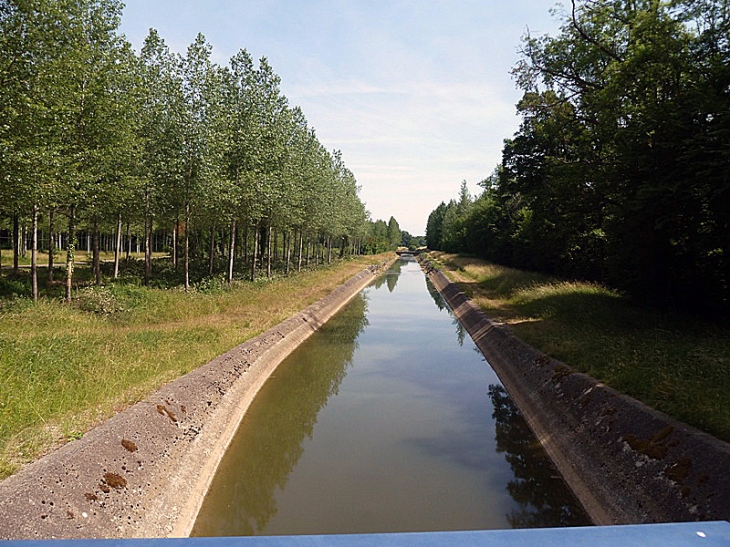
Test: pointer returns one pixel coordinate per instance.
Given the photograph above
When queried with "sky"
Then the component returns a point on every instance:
(417, 94)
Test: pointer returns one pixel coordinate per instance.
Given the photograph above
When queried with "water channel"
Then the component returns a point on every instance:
(386, 420)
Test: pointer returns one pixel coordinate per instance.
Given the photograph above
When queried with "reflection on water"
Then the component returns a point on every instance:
(537, 487)
(380, 422)
(269, 442)
(442, 305)
(390, 278)
(438, 298)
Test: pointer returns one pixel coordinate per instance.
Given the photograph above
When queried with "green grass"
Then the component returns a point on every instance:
(675, 363)
(65, 368)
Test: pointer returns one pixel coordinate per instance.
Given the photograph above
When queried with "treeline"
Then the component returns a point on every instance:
(96, 137)
(620, 171)
(383, 237)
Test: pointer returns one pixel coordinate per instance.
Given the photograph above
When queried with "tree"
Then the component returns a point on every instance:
(27, 55)
(618, 172)
(62, 65)
(394, 233)
(434, 227)
(201, 87)
(90, 131)
(162, 137)
(629, 71)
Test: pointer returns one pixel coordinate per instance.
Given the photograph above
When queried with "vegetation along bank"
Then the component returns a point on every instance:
(105, 148)
(138, 187)
(619, 170)
(144, 472)
(613, 201)
(625, 462)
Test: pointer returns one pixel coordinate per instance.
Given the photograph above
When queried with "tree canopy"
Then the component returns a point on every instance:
(160, 142)
(619, 171)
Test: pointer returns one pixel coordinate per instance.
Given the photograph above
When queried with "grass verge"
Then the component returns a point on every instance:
(674, 363)
(65, 368)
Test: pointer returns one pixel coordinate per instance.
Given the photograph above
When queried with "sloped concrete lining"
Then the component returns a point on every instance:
(625, 462)
(144, 472)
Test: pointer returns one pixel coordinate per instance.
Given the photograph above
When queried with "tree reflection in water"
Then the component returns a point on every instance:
(538, 488)
(391, 276)
(268, 444)
(436, 295)
(442, 305)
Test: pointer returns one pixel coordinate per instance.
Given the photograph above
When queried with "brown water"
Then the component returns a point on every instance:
(387, 420)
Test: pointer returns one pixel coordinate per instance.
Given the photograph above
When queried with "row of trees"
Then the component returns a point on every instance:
(108, 139)
(619, 171)
(383, 237)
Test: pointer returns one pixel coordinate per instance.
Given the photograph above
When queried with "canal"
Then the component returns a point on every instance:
(388, 419)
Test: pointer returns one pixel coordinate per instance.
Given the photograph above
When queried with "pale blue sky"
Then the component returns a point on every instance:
(416, 93)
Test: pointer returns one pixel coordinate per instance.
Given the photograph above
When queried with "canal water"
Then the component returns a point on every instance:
(388, 419)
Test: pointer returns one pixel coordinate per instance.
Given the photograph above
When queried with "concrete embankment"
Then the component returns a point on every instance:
(144, 472)
(625, 462)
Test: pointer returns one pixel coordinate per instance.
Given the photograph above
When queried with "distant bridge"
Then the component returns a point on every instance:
(406, 252)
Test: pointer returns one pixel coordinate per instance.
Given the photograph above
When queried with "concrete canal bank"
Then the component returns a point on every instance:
(625, 462)
(144, 472)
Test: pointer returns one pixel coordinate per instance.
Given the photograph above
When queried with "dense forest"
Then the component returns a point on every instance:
(620, 170)
(159, 151)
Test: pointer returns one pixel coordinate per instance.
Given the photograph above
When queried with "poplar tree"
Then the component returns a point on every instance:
(93, 132)
(200, 83)
(28, 54)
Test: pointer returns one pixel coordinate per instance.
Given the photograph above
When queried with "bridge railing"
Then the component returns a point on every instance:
(699, 534)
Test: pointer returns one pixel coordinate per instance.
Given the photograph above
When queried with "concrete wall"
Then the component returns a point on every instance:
(144, 472)
(626, 462)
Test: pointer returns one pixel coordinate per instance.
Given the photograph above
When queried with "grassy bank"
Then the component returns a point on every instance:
(676, 364)
(65, 368)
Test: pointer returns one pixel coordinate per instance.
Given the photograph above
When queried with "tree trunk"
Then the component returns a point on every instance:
(268, 251)
(34, 254)
(51, 246)
(288, 251)
(16, 243)
(117, 246)
(175, 238)
(70, 250)
(211, 250)
(276, 245)
(95, 250)
(231, 251)
(255, 252)
(301, 242)
(186, 250)
(128, 250)
(147, 249)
